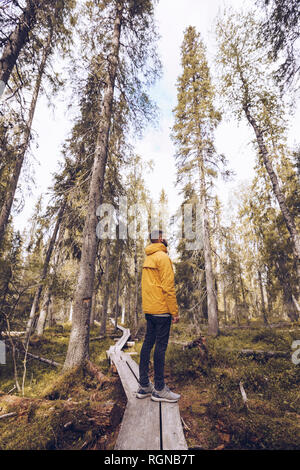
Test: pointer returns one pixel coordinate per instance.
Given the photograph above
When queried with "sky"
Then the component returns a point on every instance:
(173, 17)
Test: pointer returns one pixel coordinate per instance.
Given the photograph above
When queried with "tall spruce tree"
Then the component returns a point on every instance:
(55, 23)
(193, 133)
(124, 61)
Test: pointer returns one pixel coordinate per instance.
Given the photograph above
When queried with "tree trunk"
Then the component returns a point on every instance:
(287, 216)
(38, 292)
(71, 312)
(136, 317)
(242, 284)
(297, 306)
(44, 313)
(263, 306)
(289, 305)
(117, 293)
(78, 349)
(17, 40)
(212, 310)
(51, 321)
(10, 194)
(93, 308)
(224, 303)
(127, 304)
(106, 292)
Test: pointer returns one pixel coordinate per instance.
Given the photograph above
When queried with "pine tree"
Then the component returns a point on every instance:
(195, 121)
(280, 28)
(249, 89)
(54, 33)
(132, 16)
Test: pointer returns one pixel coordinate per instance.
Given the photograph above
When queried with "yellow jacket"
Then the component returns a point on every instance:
(158, 291)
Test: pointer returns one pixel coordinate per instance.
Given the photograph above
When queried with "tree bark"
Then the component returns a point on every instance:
(93, 308)
(10, 194)
(71, 312)
(44, 313)
(106, 292)
(17, 40)
(38, 292)
(78, 349)
(289, 304)
(224, 303)
(297, 306)
(117, 292)
(212, 309)
(263, 306)
(127, 304)
(136, 317)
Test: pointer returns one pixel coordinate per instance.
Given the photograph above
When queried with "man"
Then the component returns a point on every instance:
(160, 308)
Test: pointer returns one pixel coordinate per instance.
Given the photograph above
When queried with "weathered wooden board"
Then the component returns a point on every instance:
(128, 380)
(172, 432)
(140, 428)
(126, 335)
(146, 425)
(133, 366)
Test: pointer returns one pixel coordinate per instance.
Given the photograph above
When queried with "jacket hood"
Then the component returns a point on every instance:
(154, 247)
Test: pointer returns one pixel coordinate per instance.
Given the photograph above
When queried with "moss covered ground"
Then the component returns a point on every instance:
(66, 411)
(211, 403)
(60, 411)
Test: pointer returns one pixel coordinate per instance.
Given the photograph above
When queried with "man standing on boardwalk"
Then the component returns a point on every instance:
(160, 308)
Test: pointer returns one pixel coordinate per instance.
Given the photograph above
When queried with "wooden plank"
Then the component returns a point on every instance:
(133, 366)
(121, 343)
(146, 425)
(128, 380)
(140, 428)
(172, 432)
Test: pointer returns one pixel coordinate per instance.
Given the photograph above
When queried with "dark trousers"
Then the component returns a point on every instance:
(158, 330)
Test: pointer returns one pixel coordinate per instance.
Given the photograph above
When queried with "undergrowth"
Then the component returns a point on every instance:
(211, 402)
(59, 411)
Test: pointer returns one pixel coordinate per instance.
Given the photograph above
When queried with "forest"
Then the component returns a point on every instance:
(74, 271)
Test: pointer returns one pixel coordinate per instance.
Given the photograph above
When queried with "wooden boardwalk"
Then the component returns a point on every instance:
(146, 425)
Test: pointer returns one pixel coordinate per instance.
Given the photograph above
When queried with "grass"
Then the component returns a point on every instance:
(211, 404)
(52, 400)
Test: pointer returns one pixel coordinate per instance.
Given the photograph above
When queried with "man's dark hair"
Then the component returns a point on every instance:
(154, 235)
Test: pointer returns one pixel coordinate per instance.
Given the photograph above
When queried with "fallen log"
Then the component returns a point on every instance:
(200, 343)
(8, 415)
(5, 334)
(96, 372)
(97, 338)
(38, 358)
(255, 327)
(46, 361)
(259, 353)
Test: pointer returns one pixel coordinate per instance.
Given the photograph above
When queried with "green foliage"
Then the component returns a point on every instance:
(273, 338)
(280, 29)
(186, 364)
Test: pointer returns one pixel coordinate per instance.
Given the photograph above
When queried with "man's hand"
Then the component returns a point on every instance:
(175, 319)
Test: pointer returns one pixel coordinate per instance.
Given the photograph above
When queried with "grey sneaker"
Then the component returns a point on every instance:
(165, 395)
(144, 392)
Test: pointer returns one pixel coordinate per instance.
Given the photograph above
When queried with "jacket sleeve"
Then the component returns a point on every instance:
(167, 283)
